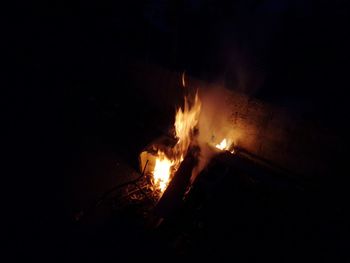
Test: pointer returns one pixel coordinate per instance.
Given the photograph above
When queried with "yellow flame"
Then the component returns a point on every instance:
(186, 120)
(161, 173)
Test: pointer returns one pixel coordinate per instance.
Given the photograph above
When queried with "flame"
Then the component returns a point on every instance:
(161, 173)
(222, 145)
(225, 145)
(186, 120)
(183, 79)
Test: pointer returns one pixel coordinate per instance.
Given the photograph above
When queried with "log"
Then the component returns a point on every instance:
(172, 198)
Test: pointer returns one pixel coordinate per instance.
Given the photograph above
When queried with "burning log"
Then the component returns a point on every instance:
(151, 153)
(165, 156)
(172, 198)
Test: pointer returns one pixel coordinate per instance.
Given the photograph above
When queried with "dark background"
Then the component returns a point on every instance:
(65, 67)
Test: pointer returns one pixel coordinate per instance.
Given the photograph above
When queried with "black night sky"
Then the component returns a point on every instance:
(67, 97)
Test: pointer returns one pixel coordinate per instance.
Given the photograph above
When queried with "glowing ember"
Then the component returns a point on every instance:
(225, 145)
(222, 145)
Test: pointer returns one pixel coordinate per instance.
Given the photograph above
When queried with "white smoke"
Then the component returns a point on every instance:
(214, 124)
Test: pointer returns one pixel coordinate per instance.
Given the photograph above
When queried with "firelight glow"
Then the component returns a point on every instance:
(222, 145)
(161, 173)
(183, 79)
(225, 145)
(186, 120)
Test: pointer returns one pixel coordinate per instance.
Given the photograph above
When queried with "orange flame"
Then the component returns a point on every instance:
(183, 79)
(186, 120)
(161, 173)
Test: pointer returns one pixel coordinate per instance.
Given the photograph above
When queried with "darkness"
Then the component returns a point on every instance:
(70, 112)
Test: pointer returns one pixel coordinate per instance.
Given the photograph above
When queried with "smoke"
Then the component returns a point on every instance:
(214, 124)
